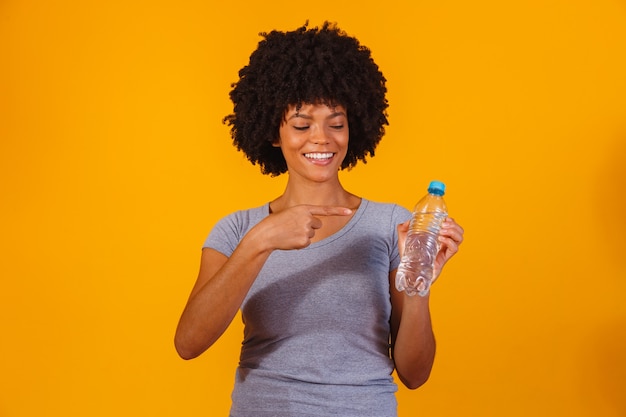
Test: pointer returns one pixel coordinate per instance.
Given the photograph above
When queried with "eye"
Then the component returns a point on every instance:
(337, 127)
(301, 128)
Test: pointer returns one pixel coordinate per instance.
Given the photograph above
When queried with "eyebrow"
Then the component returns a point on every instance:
(306, 116)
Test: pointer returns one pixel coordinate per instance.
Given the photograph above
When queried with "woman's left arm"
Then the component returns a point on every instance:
(412, 338)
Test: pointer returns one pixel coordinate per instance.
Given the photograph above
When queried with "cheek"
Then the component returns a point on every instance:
(345, 139)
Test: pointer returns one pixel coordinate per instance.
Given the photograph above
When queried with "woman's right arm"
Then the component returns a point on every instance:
(221, 287)
(223, 282)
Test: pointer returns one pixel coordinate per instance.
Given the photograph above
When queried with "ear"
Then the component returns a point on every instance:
(276, 142)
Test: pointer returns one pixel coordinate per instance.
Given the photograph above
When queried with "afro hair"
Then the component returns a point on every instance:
(306, 66)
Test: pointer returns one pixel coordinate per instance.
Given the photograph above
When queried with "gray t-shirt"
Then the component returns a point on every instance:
(316, 335)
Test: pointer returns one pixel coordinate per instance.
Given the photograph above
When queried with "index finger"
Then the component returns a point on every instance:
(329, 211)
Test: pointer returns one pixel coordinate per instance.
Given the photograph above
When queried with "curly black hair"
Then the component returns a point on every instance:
(306, 66)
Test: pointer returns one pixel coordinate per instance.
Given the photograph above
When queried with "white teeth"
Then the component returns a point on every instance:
(325, 155)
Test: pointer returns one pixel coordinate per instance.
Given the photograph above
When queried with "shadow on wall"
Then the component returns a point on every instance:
(604, 368)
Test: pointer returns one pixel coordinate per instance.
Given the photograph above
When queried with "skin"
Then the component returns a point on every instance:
(412, 338)
(314, 205)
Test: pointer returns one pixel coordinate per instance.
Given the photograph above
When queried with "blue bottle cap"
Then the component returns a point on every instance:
(437, 188)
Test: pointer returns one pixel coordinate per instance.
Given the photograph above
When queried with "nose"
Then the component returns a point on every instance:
(318, 137)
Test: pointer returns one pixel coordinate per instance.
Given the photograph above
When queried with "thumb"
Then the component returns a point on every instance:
(403, 229)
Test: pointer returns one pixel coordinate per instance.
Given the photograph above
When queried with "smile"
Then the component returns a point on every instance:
(319, 155)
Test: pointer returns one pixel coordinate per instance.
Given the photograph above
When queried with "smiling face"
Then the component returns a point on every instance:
(314, 140)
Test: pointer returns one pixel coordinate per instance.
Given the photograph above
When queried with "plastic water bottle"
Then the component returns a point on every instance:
(416, 270)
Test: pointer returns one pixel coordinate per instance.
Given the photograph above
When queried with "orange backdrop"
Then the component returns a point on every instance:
(114, 165)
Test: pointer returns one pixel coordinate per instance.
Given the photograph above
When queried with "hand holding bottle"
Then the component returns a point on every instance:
(450, 236)
(431, 239)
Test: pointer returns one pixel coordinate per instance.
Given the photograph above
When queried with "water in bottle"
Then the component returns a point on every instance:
(416, 270)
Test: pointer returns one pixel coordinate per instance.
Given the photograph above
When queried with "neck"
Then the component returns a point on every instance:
(320, 194)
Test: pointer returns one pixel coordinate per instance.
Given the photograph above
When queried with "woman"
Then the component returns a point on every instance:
(313, 270)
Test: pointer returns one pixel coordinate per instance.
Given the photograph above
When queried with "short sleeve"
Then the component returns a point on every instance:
(223, 238)
(228, 231)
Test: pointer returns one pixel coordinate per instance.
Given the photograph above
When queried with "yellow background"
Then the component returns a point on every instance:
(114, 165)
